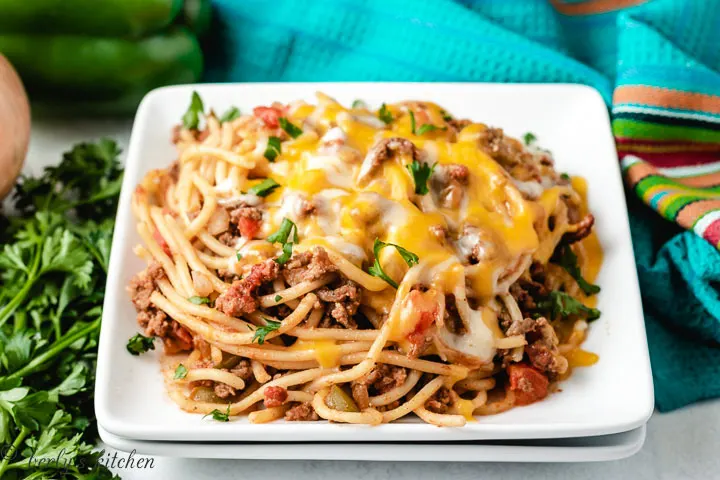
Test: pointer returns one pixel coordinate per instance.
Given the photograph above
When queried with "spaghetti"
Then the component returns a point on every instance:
(316, 261)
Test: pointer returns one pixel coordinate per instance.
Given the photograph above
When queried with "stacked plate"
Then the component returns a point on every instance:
(601, 412)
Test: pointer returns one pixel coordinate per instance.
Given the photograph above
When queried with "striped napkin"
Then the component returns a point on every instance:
(655, 62)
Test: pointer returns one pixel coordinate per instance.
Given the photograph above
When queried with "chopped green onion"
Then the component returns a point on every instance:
(278, 298)
(281, 236)
(264, 188)
(273, 149)
(292, 130)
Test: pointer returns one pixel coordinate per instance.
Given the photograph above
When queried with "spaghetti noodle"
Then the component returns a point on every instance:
(316, 261)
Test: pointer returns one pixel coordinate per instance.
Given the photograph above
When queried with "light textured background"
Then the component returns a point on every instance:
(680, 445)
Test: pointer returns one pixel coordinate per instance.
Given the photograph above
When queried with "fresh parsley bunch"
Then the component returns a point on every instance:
(54, 252)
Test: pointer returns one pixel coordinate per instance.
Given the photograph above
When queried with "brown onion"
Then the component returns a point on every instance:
(14, 126)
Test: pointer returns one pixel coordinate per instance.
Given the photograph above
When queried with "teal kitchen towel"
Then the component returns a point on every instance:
(657, 58)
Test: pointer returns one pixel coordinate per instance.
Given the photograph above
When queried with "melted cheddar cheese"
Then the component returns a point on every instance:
(356, 202)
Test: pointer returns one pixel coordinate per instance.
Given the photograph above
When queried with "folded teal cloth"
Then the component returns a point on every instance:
(604, 44)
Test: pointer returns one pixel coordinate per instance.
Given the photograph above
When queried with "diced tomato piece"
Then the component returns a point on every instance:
(163, 244)
(528, 383)
(248, 227)
(427, 310)
(268, 115)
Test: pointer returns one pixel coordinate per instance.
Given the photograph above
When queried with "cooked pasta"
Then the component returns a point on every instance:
(315, 262)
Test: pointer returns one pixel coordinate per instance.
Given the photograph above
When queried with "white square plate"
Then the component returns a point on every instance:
(615, 395)
(599, 448)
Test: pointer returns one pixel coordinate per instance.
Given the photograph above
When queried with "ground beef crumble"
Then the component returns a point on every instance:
(307, 266)
(343, 302)
(240, 297)
(381, 379)
(156, 322)
(301, 412)
(440, 401)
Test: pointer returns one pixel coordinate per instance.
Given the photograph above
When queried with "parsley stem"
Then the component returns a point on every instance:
(59, 345)
(13, 448)
(10, 307)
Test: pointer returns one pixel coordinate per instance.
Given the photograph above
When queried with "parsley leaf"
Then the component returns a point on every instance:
(199, 300)
(567, 259)
(359, 104)
(560, 304)
(219, 416)
(376, 269)
(385, 115)
(565, 176)
(273, 149)
(140, 344)
(293, 130)
(54, 252)
(529, 138)
(421, 173)
(287, 227)
(412, 122)
(263, 330)
(264, 188)
(191, 119)
(428, 127)
(230, 114)
(180, 372)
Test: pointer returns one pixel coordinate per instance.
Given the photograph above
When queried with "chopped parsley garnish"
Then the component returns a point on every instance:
(231, 114)
(560, 304)
(140, 344)
(199, 300)
(565, 176)
(273, 149)
(567, 259)
(376, 269)
(293, 130)
(287, 227)
(262, 331)
(424, 128)
(220, 416)
(358, 104)
(421, 174)
(180, 372)
(529, 138)
(238, 255)
(264, 188)
(427, 127)
(446, 116)
(385, 115)
(191, 119)
(278, 298)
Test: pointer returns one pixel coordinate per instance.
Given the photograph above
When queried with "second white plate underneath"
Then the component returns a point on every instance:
(588, 449)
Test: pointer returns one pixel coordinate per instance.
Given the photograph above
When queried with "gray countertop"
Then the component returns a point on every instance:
(680, 445)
